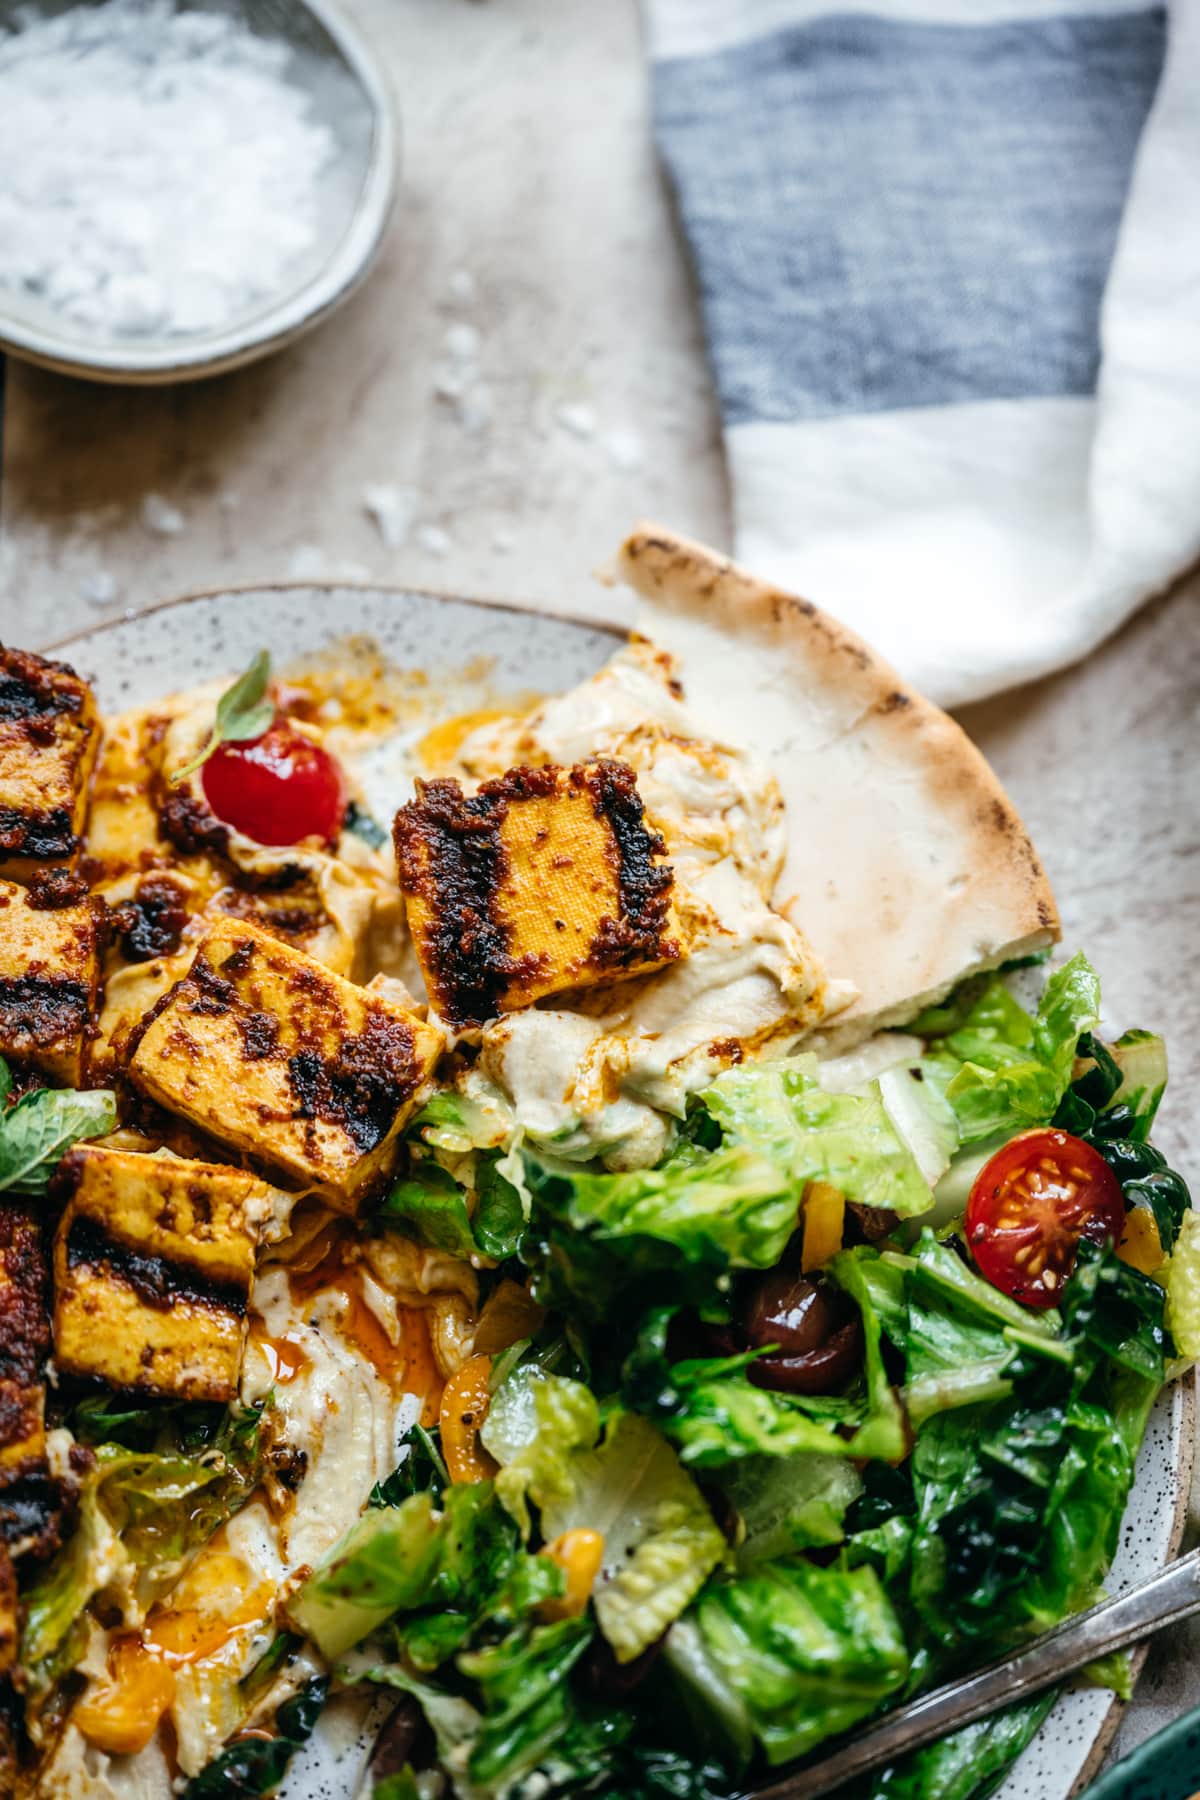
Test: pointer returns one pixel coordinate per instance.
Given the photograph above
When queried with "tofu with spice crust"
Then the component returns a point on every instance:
(153, 1261)
(49, 734)
(271, 1052)
(544, 880)
(49, 974)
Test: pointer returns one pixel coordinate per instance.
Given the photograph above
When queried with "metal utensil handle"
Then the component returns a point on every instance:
(1172, 1594)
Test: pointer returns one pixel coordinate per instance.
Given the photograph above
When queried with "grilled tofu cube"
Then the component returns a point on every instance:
(544, 880)
(49, 734)
(153, 1261)
(49, 977)
(273, 1053)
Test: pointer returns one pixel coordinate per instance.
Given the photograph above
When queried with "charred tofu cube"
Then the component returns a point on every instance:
(49, 975)
(546, 879)
(49, 734)
(153, 1261)
(271, 1052)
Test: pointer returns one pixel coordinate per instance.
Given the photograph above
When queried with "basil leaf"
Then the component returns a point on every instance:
(258, 1765)
(42, 1125)
(243, 712)
(361, 825)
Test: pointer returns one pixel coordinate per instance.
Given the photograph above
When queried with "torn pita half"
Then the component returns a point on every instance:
(908, 867)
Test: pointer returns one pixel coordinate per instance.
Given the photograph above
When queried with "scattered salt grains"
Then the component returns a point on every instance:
(503, 540)
(391, 510)
(462, 287)
(160, 170)
(462, 342)
(308, 562)
(580, 421)
(433, 539)
(625, 450)
(160, 517)
(101, 588)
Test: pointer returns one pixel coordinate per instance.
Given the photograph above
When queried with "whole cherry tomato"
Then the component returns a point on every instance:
(1030, 1205)
(278, 788)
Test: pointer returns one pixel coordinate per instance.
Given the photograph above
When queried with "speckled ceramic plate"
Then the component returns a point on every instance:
(484, 652)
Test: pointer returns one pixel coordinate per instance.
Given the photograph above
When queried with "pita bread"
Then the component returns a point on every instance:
(908, 867)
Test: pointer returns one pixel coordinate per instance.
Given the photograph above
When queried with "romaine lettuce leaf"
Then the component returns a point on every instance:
(968, 1762)
(535, 1426)
(1141, 1058)
(1182, 1279)
(789, 1505)
(660, 1539)
(1014, 1071)
(781, 1111)
(433, 1205)
(790, 1655)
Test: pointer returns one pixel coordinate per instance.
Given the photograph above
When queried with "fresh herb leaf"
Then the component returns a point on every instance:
(243, 712)
(256, 1766)
(37, 1131)
(360, 823)
(429, 1202)
(421, 1471)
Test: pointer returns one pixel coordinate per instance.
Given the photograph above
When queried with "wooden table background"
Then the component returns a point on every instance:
(532, 210)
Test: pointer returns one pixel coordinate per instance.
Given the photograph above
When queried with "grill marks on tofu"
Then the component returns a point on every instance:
(49, 977)
(49, 733)
(153, 1261)
(29, 1499)
(546, 879)
(272, 1053)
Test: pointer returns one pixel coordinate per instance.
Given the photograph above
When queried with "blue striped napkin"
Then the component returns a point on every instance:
(949, 258)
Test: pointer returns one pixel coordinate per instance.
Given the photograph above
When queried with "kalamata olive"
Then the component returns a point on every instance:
(792, 1311)
(397, 1739)
(823, 1370)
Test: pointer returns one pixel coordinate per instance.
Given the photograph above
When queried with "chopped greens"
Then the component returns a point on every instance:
(739, 1495)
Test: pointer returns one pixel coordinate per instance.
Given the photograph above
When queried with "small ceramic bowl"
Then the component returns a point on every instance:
(354, 196)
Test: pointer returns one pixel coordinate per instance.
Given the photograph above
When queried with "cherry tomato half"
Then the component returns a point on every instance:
(1030, 1205)
(277, 788)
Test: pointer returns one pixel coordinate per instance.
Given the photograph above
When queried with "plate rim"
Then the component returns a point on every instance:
(1186, 1388)
(388, 589)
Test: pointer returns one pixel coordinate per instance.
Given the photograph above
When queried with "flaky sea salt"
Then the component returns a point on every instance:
(579, 420)
(392, 510)
(159, 168)
(160, 517)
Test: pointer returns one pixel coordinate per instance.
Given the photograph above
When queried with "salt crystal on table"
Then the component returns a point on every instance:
(433, 539)
(462, 287)
(100, 588)
(462, 342)
(160, 517)
(391, 509)
(307, 562)
(580, 421)
(625, 450)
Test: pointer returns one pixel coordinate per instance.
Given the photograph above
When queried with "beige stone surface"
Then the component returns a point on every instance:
(529, 171)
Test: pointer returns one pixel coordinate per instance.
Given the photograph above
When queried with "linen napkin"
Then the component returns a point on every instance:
(949, 258)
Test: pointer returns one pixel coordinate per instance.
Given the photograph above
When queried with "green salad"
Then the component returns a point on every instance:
(842, 1396)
